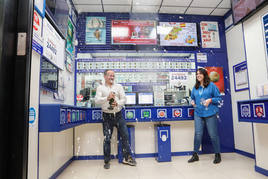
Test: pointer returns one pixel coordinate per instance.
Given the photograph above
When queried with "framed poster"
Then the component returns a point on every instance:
(265, 35)
(95, 30)
(216, 76)
(70, 37)
(177, 34)
(240, 76)
(134, 32)
(210, 34)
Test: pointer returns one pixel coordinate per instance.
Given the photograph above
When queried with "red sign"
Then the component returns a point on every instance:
(79, 97)
(259, 111)
(134, 32)
(216, 76)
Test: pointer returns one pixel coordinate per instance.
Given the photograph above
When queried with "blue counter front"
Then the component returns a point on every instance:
(58, 117)
(253, 110)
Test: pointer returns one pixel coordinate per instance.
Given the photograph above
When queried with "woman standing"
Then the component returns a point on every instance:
(205, 98)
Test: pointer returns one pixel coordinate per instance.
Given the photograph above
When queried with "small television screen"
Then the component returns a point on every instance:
(146, 98)
(49, 75)
(134, 32)
(130, 98)
(177, 34)
(59, 11)
(241, 8)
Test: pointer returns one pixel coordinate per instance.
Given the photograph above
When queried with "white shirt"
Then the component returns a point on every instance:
(103, 92)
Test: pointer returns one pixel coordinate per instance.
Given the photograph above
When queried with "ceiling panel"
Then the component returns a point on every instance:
(116, 8)
(219, 12)
(122, 2)
(172, 10)
(225, 4)
(205, 3)
(88, 8)
(145, 9)
(87, 1)
(199, 11)
(146, 2)
(176, 2)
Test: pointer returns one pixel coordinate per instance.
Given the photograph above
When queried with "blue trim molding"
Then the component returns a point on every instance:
(61, 169)
(261, 170)
(245, 153)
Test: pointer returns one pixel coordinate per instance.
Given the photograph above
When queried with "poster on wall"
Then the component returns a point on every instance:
(216, 76)
(70, 37)
(95, 30)
(37, 40)
(69, 62)
(177, 34)
(265, 35)
(210, 34)
(201, 57)
(240, 76)
(134, 32)
(54, 45)
(40, 6)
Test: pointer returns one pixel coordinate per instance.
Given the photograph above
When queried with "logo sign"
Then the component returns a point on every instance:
(79, 97)
(161, 113)
(68, 116)
(62, 116)
(164, 135)
(190, 112)
(177, 112)
(32, 115)
(96, 115)
(259, 110)
(245, 110)
(73, 115)
(146, 113)
(130, 114)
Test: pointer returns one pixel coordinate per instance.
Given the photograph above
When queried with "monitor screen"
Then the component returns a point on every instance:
(131, 98)
(177, 34)
(146, 98)
(134, 32)
(241, 8)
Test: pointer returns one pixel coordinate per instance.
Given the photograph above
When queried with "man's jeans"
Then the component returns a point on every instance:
(212, 127)
(111, 120)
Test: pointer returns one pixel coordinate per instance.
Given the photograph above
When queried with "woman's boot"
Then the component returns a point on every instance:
(194, 158)
(217, 158)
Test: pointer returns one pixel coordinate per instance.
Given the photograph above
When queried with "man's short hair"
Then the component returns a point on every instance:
(105, 72)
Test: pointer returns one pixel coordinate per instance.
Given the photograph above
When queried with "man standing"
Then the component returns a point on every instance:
(112, 98)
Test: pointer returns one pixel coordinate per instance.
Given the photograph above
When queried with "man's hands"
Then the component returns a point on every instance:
(112, 96)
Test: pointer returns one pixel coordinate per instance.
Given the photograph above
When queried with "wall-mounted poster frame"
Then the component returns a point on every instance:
(240, 76)
(95, 30)
(265, 35)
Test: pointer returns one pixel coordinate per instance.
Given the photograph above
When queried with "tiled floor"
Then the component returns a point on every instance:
(233, 166)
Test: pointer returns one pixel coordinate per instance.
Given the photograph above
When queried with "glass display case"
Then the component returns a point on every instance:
(49, 76)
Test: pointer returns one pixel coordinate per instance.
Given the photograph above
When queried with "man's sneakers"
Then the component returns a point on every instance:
(129, 161)
(106, 165)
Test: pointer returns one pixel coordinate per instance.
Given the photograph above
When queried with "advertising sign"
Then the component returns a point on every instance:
(54, 45)
(134, 32)
(95, 30)
(37, 43)
(40, 6)
(177, 34)
(70, 38)
(216, 76)
(210, 34)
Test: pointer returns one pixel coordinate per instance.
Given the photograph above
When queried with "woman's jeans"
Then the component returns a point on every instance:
(111, 120)
(212, 127)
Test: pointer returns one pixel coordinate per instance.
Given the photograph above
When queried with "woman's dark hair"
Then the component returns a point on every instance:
(206, 78)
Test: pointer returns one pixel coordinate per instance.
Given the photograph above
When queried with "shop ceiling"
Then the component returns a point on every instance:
(196, 7)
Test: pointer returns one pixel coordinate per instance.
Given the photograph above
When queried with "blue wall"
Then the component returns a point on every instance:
(216, 57)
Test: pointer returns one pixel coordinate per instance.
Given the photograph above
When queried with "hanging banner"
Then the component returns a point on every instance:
(95, 30)
(54, 45)
(70, 37)
(37, 41)
(210, 34)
